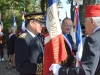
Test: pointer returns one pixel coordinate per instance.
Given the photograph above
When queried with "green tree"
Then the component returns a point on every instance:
(9, 7)
(43, 4)
(82, 7)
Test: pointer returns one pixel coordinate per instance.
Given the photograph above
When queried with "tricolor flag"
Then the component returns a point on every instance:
(13, 21)
(78, 35)
(54, 48)
(14, 25)
(22, 26)
(23, 14)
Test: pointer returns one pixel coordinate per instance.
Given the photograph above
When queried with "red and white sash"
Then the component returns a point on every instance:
(11, 35)
(66, 40)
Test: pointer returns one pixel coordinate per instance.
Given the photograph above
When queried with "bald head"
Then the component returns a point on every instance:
(66, 19)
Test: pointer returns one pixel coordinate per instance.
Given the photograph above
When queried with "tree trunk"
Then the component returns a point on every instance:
(82, 7)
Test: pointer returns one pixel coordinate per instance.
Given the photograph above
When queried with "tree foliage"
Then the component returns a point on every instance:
(10, 7)
(82, 7)
(43, 5)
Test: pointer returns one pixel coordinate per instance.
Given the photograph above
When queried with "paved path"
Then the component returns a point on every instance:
(3, 70)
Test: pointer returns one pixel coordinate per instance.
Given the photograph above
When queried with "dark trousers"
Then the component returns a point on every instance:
(26, 74)
(1, 53)
(1, 50)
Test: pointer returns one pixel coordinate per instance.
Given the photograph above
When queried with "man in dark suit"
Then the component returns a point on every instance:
(70, 46)
(28, 47)
(90, 62)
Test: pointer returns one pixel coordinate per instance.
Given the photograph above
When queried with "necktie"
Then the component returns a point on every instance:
(39, 42)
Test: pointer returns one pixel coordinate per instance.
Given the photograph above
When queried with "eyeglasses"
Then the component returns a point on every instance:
(35, 21)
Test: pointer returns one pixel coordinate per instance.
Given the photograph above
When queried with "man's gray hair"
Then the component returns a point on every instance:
(96, 19)
(13, 29)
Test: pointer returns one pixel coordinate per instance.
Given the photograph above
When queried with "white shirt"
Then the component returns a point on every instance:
(96, 29)
(33, 35)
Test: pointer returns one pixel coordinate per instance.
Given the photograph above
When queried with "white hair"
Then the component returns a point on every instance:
(96, 20)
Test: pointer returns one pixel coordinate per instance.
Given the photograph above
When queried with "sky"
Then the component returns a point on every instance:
(62, 11)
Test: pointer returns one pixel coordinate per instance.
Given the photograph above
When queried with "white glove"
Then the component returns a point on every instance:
(55, 68)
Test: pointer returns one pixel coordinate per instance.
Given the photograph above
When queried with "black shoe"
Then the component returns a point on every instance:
(14, 66)
(8, 68)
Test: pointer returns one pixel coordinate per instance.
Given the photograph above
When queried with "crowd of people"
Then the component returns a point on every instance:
(26, 50)
(9, 42)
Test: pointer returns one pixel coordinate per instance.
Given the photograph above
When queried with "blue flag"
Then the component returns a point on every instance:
(22, 26)
(78, 31)
(13, 21)
(78, 35)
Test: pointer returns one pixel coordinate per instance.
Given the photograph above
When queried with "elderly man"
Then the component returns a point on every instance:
(90, 62)
(28, 47)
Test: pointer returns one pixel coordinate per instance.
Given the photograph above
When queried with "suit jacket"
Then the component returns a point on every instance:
(11, 44)
(90, 62)
(70, 58)
(28, 54)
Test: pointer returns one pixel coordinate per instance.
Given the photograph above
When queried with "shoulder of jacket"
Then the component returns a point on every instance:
(23, 35)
